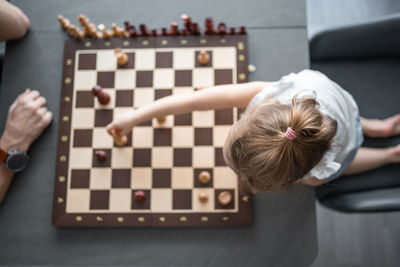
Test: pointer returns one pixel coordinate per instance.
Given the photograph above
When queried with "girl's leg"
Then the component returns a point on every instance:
(381, 128)
(371, 158)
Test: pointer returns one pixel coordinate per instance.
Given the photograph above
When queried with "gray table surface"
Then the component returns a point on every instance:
(284, 228)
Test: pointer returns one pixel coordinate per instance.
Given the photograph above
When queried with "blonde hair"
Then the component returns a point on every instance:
(258, 150)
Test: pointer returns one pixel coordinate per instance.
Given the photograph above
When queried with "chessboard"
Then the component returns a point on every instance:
(161, 159)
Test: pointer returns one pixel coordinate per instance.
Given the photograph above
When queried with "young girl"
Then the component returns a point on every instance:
(302, 129)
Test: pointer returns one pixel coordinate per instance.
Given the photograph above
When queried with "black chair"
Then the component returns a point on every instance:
(365, 60)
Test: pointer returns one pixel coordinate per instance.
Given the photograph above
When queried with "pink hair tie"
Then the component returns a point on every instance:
(290, 133)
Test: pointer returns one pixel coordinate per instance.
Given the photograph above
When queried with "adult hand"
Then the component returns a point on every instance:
(27, 118)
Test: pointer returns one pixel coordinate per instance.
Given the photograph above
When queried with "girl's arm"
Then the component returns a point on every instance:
(216, 97)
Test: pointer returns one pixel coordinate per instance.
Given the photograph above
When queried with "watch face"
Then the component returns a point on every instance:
(17, 162)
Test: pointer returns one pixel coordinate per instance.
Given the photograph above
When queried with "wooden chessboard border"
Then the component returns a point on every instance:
(63, 219)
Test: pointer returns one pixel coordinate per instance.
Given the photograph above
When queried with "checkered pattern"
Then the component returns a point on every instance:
(162, 160)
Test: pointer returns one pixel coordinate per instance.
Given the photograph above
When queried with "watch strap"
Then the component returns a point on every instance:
(3, 156)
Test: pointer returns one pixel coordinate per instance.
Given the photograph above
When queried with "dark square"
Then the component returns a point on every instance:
(87, 62)
(183, 78)
(121, 178)
(162, 93)
(161, 178)
(99, 199)
(196, 173)
(83, 138)
(198, 65)
(231, 205)
(163, 59)
(80, 178)
(183, 119)
(219, 157)
(182, 157)
(145, 205)
(142, 157)
(84, 99)
(144, 78)
(182, 199)
(106, 163)
(105, 79)
(103, 117)
(131, 62)
(223, 117)
(223, 77)
(162, 137)
(203, 137)
(124, 98)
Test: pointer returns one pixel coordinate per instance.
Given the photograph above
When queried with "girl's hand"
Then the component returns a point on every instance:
(122, 124)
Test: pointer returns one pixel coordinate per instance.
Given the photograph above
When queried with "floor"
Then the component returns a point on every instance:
(354, 239)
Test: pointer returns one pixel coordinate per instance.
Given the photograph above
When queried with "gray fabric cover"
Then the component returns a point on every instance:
(376, 38)
(371, 73)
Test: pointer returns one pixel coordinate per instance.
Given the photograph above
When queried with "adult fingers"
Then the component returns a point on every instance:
(40, 101)
(32, 95)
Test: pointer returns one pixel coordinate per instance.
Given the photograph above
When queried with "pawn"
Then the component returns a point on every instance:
(101, 155)
(96, 90)
(204, 177)
(122, 58)
(120, 140)
(203, 57)
(103, 98)
(139, 196)
(161, 120)
(203, 197)
(224, 198)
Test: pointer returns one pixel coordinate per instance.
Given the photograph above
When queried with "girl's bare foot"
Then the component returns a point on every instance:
(381, 128)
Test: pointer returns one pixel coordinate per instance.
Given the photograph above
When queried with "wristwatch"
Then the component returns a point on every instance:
(15, 160)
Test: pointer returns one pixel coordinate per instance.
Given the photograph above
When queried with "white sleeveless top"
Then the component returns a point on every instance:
(334, 101)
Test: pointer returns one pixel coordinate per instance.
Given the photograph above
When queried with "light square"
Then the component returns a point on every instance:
(85, 79)
(120, 200)
(182, 136)
(101, 139)
(121, 157)
(203, 156)
(110, 105)
(203, 77)
(203, 118)
(163, 78)
(100, 178)
(220, 133)
(183, 59)
(83, 118)
(198, 206)
(122, 111)
(168, 123)
(80, 158)
(142, 137)
(125, 79)
(141, 178)
(145, 59)
(161, 200)
(78, 200)
(182, 178)
(224, 58)
(143, 97)
(161, 157)
(224, 177)
(106, 60)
